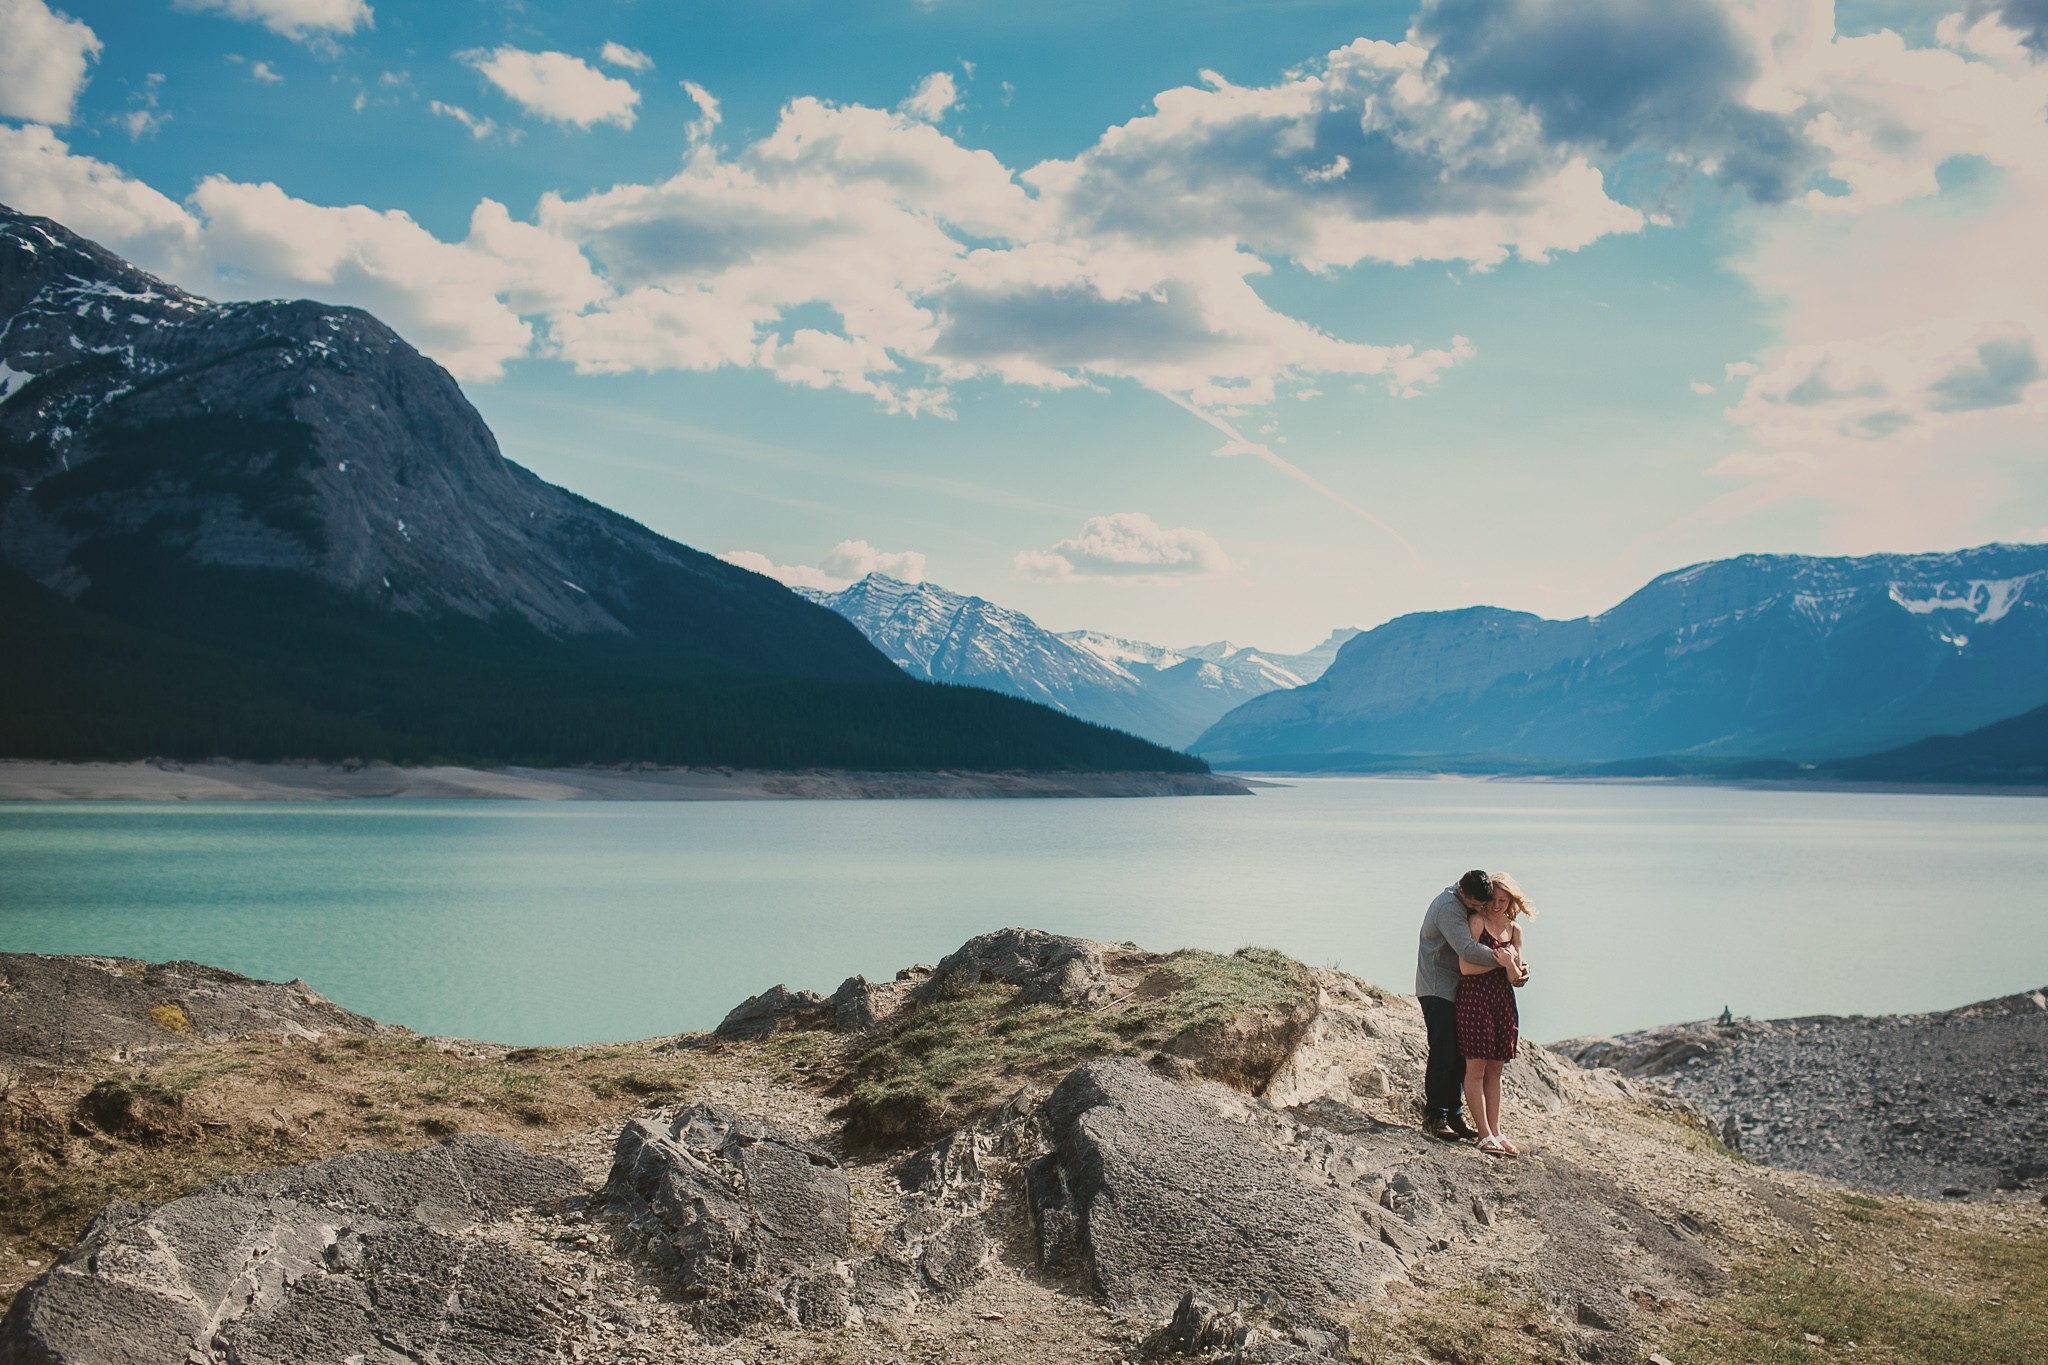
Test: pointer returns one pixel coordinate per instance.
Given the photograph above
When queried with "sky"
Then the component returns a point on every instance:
(1190, 321)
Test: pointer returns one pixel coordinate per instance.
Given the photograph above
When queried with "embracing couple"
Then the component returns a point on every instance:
(1465, 974)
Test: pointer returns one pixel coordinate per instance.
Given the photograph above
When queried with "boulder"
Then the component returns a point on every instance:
(1048, 968)
(1272, 1330)
(861, 1005)
(773, 1011)
(370, 1256)
(62, 1010)
(1152, 1190)
(741, 1213)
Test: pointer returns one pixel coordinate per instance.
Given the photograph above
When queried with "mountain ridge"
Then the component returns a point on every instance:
(275, 530)
(1767, 656)
(1163, 695)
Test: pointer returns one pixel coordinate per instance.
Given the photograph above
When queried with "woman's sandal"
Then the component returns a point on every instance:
(1494, 1146)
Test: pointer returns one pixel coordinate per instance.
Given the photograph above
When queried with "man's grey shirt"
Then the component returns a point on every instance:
(1446, 937)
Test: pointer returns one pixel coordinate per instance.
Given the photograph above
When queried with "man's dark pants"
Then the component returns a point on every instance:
(1445, 1077)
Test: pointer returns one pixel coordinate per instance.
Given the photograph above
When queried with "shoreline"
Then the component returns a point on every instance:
(1280, 778)
(166, 780)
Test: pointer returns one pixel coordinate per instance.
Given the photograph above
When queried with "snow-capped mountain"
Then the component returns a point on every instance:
(1164, 695)
(1764, 655)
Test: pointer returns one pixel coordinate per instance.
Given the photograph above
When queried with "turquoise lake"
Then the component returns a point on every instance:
(566, 922)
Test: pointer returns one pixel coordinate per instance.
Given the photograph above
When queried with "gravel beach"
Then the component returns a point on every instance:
(1952, 1104)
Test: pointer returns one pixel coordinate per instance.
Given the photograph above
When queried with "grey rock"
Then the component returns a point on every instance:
(1155, 1191)
(1914, 1103)
(1415, 1197)
(736, 1208)
(1269, 1331)
(1048, 969)
(63, 1010)
(861, 1005)
(359, 1256)
(773, 1011)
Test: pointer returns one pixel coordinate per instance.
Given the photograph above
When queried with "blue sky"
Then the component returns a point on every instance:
(1181, 321)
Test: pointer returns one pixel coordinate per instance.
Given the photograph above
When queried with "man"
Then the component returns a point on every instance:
(1446, 937)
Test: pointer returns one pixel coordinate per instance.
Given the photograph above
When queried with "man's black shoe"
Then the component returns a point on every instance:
(1441, 1130)
(1465, 1131)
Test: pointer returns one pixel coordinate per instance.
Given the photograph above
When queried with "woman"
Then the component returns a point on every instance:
(1488, 1025)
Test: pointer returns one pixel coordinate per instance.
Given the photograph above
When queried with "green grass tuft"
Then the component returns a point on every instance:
(960, 1056)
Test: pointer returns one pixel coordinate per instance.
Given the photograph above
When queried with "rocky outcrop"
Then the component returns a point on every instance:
(753, 1222)
(1149, 1189)
(370, 1256)
(1932, 1104)
(62, 1010)
(744, 1215)
(1048, 969)
(774, 1010)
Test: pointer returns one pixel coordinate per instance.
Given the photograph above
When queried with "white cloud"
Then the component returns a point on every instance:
(479, 127)
(701, 128)
(261, 71)
(43, 61)
(1128, 546)
(848, 563)
(293, 18)
(144, 119)
(935, 94)
(1875, 396)
(1700, 388)
(617, 54)
(39, 175)
(558, 87)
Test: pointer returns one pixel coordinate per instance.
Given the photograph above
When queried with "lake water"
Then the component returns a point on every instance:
(568, 922)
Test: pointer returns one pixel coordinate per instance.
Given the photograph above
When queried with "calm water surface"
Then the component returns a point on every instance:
(586, 921)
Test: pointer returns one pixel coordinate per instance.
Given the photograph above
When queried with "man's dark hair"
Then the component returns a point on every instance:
(1477, 885)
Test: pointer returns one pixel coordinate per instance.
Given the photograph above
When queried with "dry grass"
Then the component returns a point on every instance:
(71, 1141)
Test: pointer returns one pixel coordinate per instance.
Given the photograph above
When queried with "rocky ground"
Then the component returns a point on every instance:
(1101, 1154)
(1952, 1104)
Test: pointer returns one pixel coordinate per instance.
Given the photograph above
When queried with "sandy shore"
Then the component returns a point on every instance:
(163, 780)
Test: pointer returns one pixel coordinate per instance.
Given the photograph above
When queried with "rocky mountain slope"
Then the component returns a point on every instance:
(1235, 1174)
(268, 529)
(1167, 696)
(1767, 656)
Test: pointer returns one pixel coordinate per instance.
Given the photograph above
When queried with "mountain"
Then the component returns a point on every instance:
(1764, 656)
(1166, 696)
(2009, 752)
(275, 529)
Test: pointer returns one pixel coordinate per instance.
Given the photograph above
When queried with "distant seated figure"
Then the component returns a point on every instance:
(1727, 1015)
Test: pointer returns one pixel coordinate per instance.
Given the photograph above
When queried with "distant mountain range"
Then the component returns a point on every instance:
(1165, 695)
(1765, 657)
(274, 529)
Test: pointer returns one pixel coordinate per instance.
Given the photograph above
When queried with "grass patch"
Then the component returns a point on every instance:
(960, 1056)
(641, 1084)
(1998, 1317)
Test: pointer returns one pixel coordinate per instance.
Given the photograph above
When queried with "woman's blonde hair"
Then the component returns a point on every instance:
(1518, 903)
